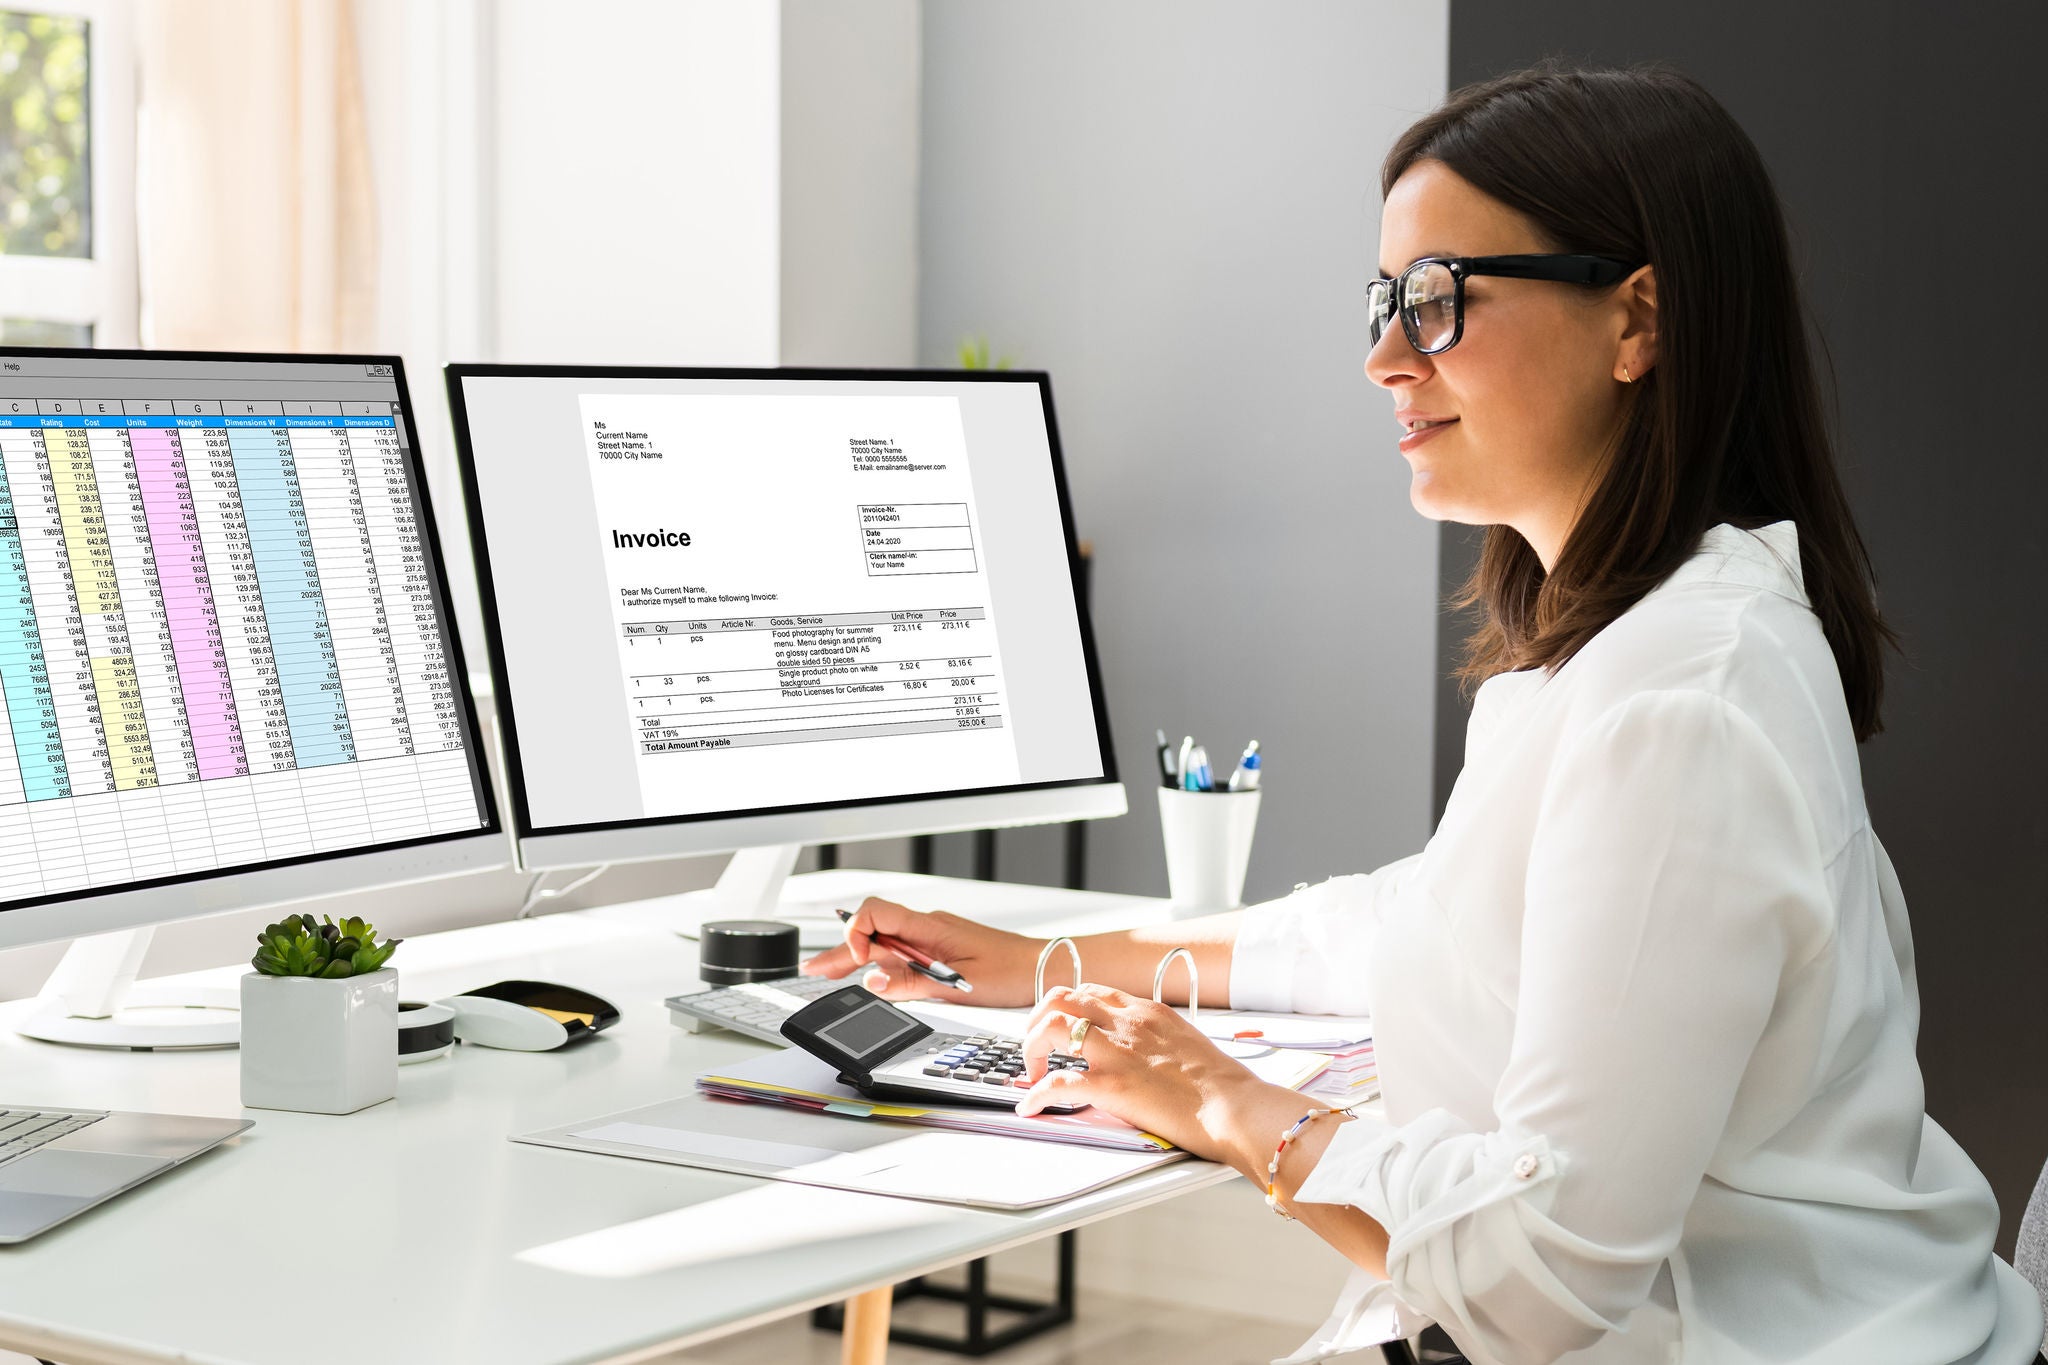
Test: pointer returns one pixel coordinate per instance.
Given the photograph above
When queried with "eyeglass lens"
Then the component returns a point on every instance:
(1429, 306)
(1426, 297)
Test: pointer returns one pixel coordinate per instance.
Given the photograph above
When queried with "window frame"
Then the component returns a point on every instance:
(100, 290)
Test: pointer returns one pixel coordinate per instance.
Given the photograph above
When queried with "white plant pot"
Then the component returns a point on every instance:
(319, 1046)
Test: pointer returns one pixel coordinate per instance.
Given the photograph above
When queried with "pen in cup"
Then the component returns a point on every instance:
(922, 963)
(1246, 776)
(1169, 771)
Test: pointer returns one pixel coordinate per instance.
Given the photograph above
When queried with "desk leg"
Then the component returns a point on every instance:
(866, 1339)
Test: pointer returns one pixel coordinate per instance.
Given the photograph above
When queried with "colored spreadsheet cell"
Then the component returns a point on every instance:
(121, 715)
(24, 677)
(309, 678)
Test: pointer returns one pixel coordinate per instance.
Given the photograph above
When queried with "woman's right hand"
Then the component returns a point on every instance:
(997, 963)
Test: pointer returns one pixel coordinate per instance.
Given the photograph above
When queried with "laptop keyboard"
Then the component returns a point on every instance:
(24, 1130)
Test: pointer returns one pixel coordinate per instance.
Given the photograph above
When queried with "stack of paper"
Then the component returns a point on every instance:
(874, 1158)
(1353, 1077)
(794, 1077)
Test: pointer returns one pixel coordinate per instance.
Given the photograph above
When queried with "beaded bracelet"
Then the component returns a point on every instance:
(1273, 1166)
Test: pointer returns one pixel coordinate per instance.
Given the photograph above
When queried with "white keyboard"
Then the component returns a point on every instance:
(756, 1009)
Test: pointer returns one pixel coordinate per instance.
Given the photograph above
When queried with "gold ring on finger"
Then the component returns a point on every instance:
(1075, 1035)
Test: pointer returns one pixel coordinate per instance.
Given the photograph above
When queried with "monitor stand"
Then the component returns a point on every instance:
(94, 1000)
(751, 887)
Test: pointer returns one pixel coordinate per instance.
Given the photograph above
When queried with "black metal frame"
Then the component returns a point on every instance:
(974, 1297)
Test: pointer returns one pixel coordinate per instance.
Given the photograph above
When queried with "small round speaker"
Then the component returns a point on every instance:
(731, 952)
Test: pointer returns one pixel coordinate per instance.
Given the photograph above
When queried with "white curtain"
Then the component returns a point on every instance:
(257, 217)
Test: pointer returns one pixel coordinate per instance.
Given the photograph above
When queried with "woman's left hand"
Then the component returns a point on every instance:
(1147, 1065)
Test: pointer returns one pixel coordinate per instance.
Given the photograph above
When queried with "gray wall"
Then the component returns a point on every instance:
(1172, 207)
(1905, 138)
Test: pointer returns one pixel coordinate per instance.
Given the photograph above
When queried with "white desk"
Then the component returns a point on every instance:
(404, 1220)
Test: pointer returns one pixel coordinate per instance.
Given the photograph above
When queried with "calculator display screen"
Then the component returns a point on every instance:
(872, 1026)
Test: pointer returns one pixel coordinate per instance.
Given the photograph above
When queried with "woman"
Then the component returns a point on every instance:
(1645, 1005)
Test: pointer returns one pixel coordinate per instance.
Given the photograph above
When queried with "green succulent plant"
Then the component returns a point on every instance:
(298, 945)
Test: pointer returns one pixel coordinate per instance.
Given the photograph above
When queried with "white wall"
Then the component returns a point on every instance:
(636, 183)
(848, 219)
(1172, 206)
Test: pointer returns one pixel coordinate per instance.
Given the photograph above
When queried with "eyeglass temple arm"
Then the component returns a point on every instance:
(1560, 269)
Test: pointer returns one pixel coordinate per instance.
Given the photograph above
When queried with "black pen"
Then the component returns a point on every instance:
(1167, 776)
(921, 963)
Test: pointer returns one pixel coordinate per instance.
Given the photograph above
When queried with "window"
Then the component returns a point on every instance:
(67, 174)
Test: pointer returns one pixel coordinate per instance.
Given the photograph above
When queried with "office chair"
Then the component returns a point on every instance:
(1433, 1347)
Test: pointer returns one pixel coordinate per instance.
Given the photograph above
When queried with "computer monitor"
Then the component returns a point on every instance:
(229, 674)
(752, 609)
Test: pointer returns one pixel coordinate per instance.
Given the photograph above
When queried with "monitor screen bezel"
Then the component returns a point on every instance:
(411, 859)
(523, 826)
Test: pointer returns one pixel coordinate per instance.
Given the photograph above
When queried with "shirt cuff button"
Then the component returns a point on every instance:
(1526, 1166)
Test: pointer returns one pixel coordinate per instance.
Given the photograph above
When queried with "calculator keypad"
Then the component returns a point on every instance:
(977, 1068)
(980, 1060)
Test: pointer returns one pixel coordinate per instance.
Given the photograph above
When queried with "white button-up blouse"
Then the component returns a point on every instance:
(1645, 1014)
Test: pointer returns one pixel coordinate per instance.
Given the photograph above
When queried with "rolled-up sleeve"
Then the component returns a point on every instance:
(1674, 884)
(1305, 953)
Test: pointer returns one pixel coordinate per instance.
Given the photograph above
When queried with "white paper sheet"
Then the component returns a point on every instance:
(799, 596)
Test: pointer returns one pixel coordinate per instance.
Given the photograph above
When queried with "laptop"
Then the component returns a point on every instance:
(57, 1163)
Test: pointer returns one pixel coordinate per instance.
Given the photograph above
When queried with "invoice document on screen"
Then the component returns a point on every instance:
(799, 577)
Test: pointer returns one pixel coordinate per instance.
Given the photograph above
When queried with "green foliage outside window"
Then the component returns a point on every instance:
(41, 332)
(45, 207)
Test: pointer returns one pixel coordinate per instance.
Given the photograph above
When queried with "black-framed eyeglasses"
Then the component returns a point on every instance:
(1430, 294)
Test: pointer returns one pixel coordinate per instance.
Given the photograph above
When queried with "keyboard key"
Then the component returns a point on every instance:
(938, 1071)
(995, 1078)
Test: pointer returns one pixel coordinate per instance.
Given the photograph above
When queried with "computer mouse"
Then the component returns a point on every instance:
(529, 1016)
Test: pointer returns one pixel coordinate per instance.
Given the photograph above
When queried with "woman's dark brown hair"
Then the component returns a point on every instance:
(1645, 166)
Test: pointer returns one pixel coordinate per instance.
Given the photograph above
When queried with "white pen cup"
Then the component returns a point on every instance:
(1208, 837)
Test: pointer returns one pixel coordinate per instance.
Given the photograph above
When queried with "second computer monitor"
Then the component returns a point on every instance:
(734, 608)
(227, 673)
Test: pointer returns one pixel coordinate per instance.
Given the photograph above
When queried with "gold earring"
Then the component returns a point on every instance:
(1626, 377)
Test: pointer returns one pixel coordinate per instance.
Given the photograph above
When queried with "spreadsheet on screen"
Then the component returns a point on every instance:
(221, 634)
